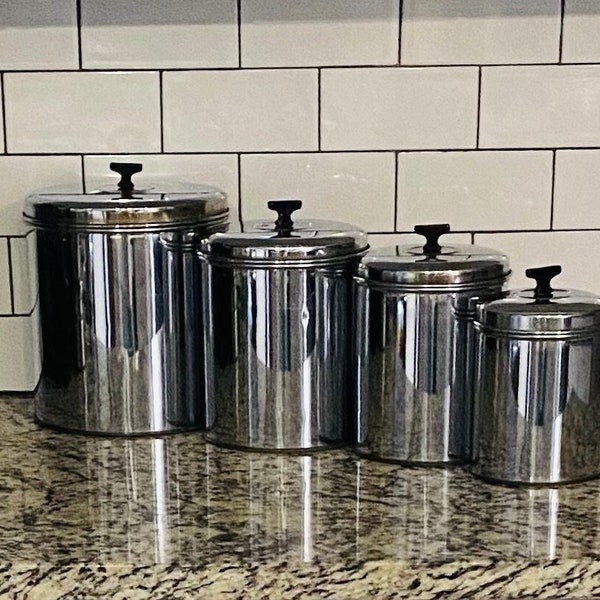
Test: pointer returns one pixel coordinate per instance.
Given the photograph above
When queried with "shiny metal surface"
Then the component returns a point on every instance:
(260, 243)
(123, 351)
(568, 313)
(416, 354)
(537, 409)
(281, 356)
(451, 268)
(156, 207)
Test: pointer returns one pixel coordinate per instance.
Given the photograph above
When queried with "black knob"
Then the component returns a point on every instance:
(542, 275)
(432, 233)
(126, 171)
(284, 209)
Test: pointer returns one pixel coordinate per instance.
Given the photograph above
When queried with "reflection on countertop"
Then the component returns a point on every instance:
(184, 515)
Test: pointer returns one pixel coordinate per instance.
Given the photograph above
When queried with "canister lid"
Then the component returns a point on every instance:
(542, 309)
(125, 206)
(432, 264)
(285, 240)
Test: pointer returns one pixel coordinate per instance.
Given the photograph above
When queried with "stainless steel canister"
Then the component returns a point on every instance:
(281, 328)
(122, 335)
(416, 346)
(538, 390)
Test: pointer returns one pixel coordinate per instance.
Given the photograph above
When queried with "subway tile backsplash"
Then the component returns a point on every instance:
(154, 34)
(240, 110)
(475, 191)
(398, 108)
(385, 113)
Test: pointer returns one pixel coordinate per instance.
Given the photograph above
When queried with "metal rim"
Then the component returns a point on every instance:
(537, 335)
(282, 264)
(63, 227)
(432, 288)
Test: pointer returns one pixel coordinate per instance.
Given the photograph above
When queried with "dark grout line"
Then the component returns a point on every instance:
(478, 109)
(307, 66)
(83, 174)
(239, 181)
(161, 112)
(400, 15)
(562, 26)
(396, 199)
(276, 152)
(239, 32)
(472, 237)
(3, 109)
(497, 231)
(79, 51)
(11, 285)
(552, 187)
(319, 109)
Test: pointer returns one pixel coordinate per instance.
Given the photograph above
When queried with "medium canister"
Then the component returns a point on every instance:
(538, 390)
(281, 332)
(415, 346)
(122, 333)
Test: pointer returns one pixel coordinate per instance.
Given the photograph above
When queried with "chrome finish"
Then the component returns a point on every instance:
(537, 409)
(281, 356)
(156, 211)
(453, 268)
(569, 313)
(123, 351)
(260, 244)
(415, 374)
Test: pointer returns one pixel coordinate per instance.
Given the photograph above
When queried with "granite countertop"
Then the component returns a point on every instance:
(174, 517)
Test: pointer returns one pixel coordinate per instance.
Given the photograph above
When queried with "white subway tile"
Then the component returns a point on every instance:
(446, 32)
(576, 189)
(221, 111)
(314, 33)
(20, 360)
(394, 108)
(475, 190)
(581, 31)
(38, 34)
(219, 170)
(385, 240)
(159, 35)
(5, 303)
(23, 253)
(540, 107)
(82, 112)
(357, 188)
(537, 249)
(22, 175)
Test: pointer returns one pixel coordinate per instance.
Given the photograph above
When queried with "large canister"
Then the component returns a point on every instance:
(281, 331)
(415, 346)
(122, 332)
(538, 391)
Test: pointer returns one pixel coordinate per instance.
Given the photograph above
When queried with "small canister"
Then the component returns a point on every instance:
(416, 346)
(281, 332)
(122, 332)
(538, 385)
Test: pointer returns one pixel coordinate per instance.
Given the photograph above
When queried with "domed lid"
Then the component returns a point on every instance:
(156, 206)
(285, 241)
(434, 265)
(543, 309)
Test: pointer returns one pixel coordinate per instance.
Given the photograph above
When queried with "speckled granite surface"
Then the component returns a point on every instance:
(86, 517)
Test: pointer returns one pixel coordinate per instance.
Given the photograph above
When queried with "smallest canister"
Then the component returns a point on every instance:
(537, 397)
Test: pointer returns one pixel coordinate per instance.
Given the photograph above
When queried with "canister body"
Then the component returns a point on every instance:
(281, 350)
(537, 408)
(123, 349)
(416, 353)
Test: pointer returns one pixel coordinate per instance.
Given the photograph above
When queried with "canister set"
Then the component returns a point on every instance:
(286, 334)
